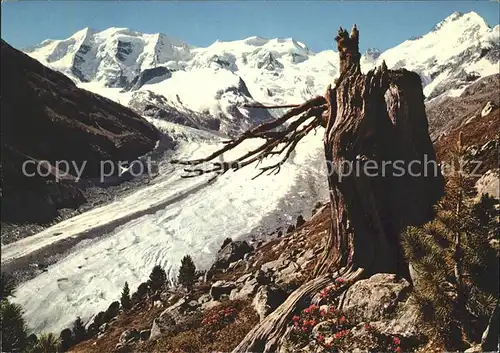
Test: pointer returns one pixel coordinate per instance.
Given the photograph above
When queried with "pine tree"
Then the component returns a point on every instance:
(141, 292)
(79, 331)
(456, 266)
(125, 299)
(112, 311)
(187, 272)
(99, 320)
(14, 334)
(66, 340)
(157, 278)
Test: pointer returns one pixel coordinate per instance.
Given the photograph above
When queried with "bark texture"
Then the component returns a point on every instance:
(383, 177)
(383, 173)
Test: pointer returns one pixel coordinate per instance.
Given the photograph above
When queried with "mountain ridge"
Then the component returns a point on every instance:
(459, 50)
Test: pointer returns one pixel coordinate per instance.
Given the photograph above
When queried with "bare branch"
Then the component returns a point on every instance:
(288, 138)
(292, 143)
(261, 106)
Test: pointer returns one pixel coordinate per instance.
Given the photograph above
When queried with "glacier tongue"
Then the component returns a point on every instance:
(186, 216)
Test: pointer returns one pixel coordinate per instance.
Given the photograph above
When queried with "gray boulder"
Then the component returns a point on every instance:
(129, 336)
(248, 289)
(167, 320)
(103, 327)
(221, 288)
(406, 324)
(204, 298)
(276, 265)
(375, 298)
(244, 278)
(267, 299)
(162, 325)
(231, 252)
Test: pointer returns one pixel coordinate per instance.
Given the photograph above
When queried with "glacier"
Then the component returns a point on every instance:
(194, 218)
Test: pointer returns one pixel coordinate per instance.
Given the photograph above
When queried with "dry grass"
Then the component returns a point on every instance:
(190, 337)
(199, 338)
(140, 318)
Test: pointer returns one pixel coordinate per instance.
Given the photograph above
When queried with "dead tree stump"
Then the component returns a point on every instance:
(382, 174)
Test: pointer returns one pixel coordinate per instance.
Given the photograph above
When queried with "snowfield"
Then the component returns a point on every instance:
(194, 219)
(457, 51)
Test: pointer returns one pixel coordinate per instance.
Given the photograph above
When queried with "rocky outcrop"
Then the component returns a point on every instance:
(269, 62)
(156, 106)
(268, 298)
(451, 112)
(127, 338)
(488, 108)
(129, 335)
(248, 289)
(489, 184)
(45, 117)
(376, 297)
(231, 252)
(167, 320)
(221, 288)
(149, 76)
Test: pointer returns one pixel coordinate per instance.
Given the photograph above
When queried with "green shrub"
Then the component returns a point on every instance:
(456, 265)
(187, 272)
(47, 343)
(141, 292)
(66, 340)
(7, 285)
(112, 311)
(14, 336)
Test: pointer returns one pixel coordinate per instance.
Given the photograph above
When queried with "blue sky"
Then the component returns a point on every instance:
(382, 24)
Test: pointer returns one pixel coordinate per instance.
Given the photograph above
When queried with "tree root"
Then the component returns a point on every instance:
(269, 334)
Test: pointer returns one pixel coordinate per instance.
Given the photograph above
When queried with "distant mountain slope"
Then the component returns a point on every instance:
(46, 117)
(216, 81)
(456, 52)
(113, 56)
(449, 113)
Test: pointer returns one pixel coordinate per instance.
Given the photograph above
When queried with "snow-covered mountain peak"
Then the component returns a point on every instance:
(371, 54)
(113, 57)
(277, 46)
(256, 41)
(459, 19)
(457, 51)
(217, 79)
(87, 31)
(114, 31)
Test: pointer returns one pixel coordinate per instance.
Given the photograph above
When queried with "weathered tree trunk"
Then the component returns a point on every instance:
(374, 121)
(376, 125)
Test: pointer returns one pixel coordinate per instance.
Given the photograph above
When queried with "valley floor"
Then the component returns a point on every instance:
(158, 224)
